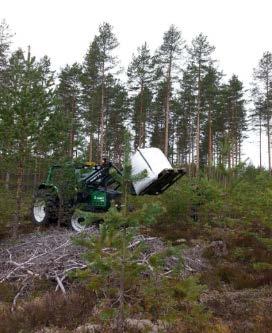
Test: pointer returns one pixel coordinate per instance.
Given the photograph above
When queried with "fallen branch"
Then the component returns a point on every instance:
(22, 266)
(60, 284)
(18, 294)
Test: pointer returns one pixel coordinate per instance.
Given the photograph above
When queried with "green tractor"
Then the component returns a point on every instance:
(71, 191)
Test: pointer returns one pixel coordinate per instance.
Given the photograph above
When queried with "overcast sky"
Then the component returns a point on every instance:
(240, 30)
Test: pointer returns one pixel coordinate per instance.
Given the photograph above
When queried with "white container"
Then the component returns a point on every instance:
(153, 161)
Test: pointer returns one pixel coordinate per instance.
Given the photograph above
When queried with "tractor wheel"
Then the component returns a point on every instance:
(44, 208)
(77, 222)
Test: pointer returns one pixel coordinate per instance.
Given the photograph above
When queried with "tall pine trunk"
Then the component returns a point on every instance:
(72, 129)
(166, 133)
(209, 140)
(142, 122)
(7, 180)
(236, 135)
(35, 174)
(232, 138)
(167, 109)
(197, 141)
(269, 144)
(198, 121)
(91, 147)
(260, 144)
(18, 197)
(102, 114)
(236, 152)
(268, 126)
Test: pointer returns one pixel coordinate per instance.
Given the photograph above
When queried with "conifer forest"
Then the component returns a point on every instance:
(197, 257)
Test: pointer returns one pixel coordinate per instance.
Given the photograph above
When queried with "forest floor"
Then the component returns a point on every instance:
(51, 254)
(42, 260)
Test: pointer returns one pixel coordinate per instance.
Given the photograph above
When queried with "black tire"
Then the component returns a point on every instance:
(45, 207)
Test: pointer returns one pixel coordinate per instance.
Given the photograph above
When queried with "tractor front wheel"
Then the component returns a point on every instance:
(80, 220)
(77, 222)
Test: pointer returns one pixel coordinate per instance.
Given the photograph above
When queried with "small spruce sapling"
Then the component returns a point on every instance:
(114, 264)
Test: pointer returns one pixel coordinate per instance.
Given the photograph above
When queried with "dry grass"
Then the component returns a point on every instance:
(51, 310)
(247, 310)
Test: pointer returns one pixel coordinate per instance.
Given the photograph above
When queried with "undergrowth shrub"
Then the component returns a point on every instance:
(191, 205)
(247, 263)
(251, 197)
(7, 209)
(178, 201)
(246, 199)
(176, 301)
(237, 210)
(51, 310)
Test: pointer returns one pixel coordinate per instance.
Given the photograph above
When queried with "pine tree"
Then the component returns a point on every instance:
(5, 117)
(140, 75)
(257, 117)
(5, 41)
(167, 58)
(69, 93)
(237, 119)
(112, 261)
(91, 97)
(157, 117)
(116, 117)
(200, 53)
(185, 114)
(263, 77)
(106, 43)
(211, 86)
(29, 88)
(49, 137)
(229, 122)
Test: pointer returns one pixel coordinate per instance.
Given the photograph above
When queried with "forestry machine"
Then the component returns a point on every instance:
(71, 192)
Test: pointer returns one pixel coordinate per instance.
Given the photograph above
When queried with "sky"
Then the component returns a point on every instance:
(63, 29)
